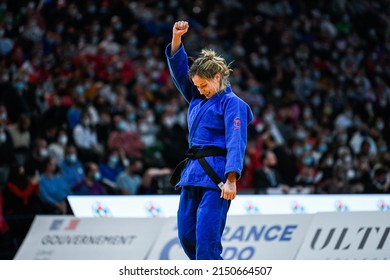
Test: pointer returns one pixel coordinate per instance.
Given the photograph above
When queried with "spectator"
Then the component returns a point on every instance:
(266, 177)
(21, 193)
(56, 148)
(380, 182)
(130, 142)
(6, 146)
(129, 181)
(86, 141)
(114, 164)
(35, 165)
(20, 133)
(21, 201)
(90, 185)
(53, 189)
(70, 167)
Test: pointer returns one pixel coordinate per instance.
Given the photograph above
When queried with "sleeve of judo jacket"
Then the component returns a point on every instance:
(237, 116)
(178, 67)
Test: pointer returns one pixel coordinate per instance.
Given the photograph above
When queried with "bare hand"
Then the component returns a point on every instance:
(180, 28)
(229, 190)
(35, 180)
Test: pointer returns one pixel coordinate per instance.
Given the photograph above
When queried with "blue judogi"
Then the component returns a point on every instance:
(220, 121)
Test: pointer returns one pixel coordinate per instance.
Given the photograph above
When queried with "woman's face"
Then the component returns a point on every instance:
(207, 87)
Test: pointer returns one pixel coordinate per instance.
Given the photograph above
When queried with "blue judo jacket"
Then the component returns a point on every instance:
(220, 122)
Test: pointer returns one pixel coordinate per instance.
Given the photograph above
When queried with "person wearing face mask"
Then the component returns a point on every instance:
(86, 139)
(57, 147)
(7, 155)
(362, 136)
(91, 184)
(53, 189)
(112, 166)
(35, 162)
(20, 133)
(217, 121)
(308, 176)
(70, 167)
(128, 141)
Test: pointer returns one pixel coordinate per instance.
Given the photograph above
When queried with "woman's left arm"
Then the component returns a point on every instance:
(237, 116)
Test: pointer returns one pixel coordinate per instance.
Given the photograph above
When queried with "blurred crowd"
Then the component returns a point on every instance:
(87, 105)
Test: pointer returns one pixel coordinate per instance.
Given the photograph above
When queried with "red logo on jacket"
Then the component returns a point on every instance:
(237, 124)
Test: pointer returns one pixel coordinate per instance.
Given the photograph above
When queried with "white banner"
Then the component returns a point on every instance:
(125, 206)
(357, 235)
(67, 237)
(255, 237)
(144, 206)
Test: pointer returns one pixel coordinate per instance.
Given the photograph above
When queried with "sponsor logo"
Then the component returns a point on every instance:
(239, 240)
(153, 210)
(346, 238)
(341, 206)
(383, 205)
(251, 208)
(297, 207)
(100, 210)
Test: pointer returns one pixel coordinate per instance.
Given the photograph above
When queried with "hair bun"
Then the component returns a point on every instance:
(208, 54)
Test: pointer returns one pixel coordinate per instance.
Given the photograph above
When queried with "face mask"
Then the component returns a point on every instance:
(329, 162)
(86, 122)
(131, 116)
(383, 149)
(348, 159)
(3, 116)
(316, 101)
(323, 148)
(43, 153)
(269, 117)
(3, 137)
(357, 123)
(122, 126)
(63, 140)
(150, 119)
(97, 176)
(380, 125)
(300, 135)
(113, 160)
(298, 151)
(308, 147)
(144, 105)
(307, 161)
(19, 86)
(72, 158)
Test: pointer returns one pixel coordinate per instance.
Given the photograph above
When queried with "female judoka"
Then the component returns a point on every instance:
(217, 122)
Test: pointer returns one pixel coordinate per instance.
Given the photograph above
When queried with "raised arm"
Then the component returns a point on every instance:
(178, 61)
(179, 29)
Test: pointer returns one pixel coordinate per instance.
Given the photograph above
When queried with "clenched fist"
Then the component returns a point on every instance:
(180, 28)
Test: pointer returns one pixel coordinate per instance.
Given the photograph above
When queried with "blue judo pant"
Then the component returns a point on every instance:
(201, 219)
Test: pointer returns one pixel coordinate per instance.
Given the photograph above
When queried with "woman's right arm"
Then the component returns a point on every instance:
(178, 62)
(179, 29)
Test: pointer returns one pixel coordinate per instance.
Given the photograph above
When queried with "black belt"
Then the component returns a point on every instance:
(200, 155)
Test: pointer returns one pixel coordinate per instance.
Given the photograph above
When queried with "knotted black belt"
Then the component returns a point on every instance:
(200, 155)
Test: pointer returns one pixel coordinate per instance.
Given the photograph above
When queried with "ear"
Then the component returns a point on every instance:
(217, 76)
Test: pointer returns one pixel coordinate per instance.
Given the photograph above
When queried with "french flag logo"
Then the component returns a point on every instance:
(59, 224)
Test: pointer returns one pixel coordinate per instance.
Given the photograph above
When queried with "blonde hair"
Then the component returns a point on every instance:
(208, 64)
